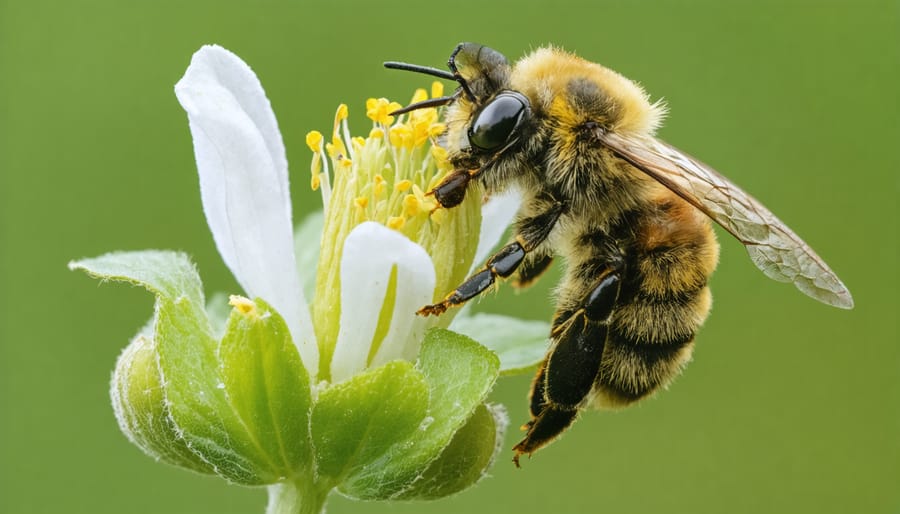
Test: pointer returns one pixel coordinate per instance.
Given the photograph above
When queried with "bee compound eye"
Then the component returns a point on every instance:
(497, 120)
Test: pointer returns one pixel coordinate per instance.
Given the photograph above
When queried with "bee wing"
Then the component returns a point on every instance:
(773, 247)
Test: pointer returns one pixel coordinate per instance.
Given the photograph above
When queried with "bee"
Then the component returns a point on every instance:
(628, 213)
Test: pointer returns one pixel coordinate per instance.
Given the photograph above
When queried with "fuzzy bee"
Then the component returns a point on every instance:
(628, 214)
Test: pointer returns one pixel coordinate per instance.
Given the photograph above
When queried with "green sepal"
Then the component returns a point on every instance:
(354, 422)
(268, 388)
(136, 390)
(163, 273)
(520, 344)
(459, 373)
(225, 400)
(138, 401)
(465, 460)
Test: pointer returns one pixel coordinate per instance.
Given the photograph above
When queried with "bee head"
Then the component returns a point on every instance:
(486, 117)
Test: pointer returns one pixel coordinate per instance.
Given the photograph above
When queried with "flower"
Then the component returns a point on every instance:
(356, 395)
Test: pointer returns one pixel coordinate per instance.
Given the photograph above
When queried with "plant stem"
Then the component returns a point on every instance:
(296, 497)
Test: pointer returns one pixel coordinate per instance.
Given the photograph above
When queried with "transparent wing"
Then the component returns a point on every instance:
(773, 247)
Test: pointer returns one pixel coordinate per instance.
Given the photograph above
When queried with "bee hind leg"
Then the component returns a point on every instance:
(567, 376)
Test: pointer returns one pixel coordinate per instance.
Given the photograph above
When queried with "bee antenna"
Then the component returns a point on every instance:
(427, 70)
(453, 75)
(431, 102)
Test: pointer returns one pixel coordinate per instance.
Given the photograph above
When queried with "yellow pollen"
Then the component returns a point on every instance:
(361, 202)
(376, 133)
(244, 305)
(403, 185)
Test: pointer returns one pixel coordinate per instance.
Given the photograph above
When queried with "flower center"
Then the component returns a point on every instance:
(385, 177)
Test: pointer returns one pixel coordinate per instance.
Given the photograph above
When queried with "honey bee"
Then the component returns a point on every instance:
(628, 213)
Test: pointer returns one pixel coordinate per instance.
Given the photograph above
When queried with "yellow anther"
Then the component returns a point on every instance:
(341, 114)
(436, 129)
(403, 185)
(419, 95)
(379, 110)
(359, 142)
(244, 305)
(315, 182)
(440, 156)
(396, 222)
(344, 162)
(401, 135)
(437, 89)
(376, 133)
(314, 140)
(361, 202)
(410, 205)
(379, 185)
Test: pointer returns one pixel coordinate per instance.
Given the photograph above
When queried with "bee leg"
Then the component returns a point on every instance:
(531, 269)
(501, 264)
(532, 231)
(452, 190)
(566, 378)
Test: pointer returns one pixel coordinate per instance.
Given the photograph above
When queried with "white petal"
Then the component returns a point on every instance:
(371, 251)
(244, 184)
(496, 215)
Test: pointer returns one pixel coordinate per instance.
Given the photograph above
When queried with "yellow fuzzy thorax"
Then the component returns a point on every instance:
(544, 75)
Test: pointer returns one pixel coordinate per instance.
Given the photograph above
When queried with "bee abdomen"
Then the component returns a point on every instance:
(648, 345)
(663, 302)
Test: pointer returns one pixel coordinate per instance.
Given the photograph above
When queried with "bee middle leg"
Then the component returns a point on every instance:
(568, 374)
(530, 233)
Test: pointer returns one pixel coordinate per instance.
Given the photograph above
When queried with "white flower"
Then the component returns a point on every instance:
(365, 316)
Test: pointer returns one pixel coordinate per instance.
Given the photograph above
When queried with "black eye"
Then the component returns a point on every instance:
(496, 122)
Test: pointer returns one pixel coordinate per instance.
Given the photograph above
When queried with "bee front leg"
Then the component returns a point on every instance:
(452, 190)
(501, 264)
(570, 370)
(531, 232)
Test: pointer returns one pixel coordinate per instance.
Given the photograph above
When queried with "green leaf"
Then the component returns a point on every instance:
(139, 403)
(355, 422)
(267, 387)
(466, 460)
(460, 373)
(520, 344)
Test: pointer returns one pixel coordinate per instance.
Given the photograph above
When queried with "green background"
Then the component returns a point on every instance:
(789, 405)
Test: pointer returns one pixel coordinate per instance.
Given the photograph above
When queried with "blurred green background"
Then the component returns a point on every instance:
(789, 405)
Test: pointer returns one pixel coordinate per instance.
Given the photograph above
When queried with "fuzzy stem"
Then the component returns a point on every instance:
(296, 497)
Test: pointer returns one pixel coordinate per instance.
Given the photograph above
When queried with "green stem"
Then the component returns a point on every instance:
(296, 497)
